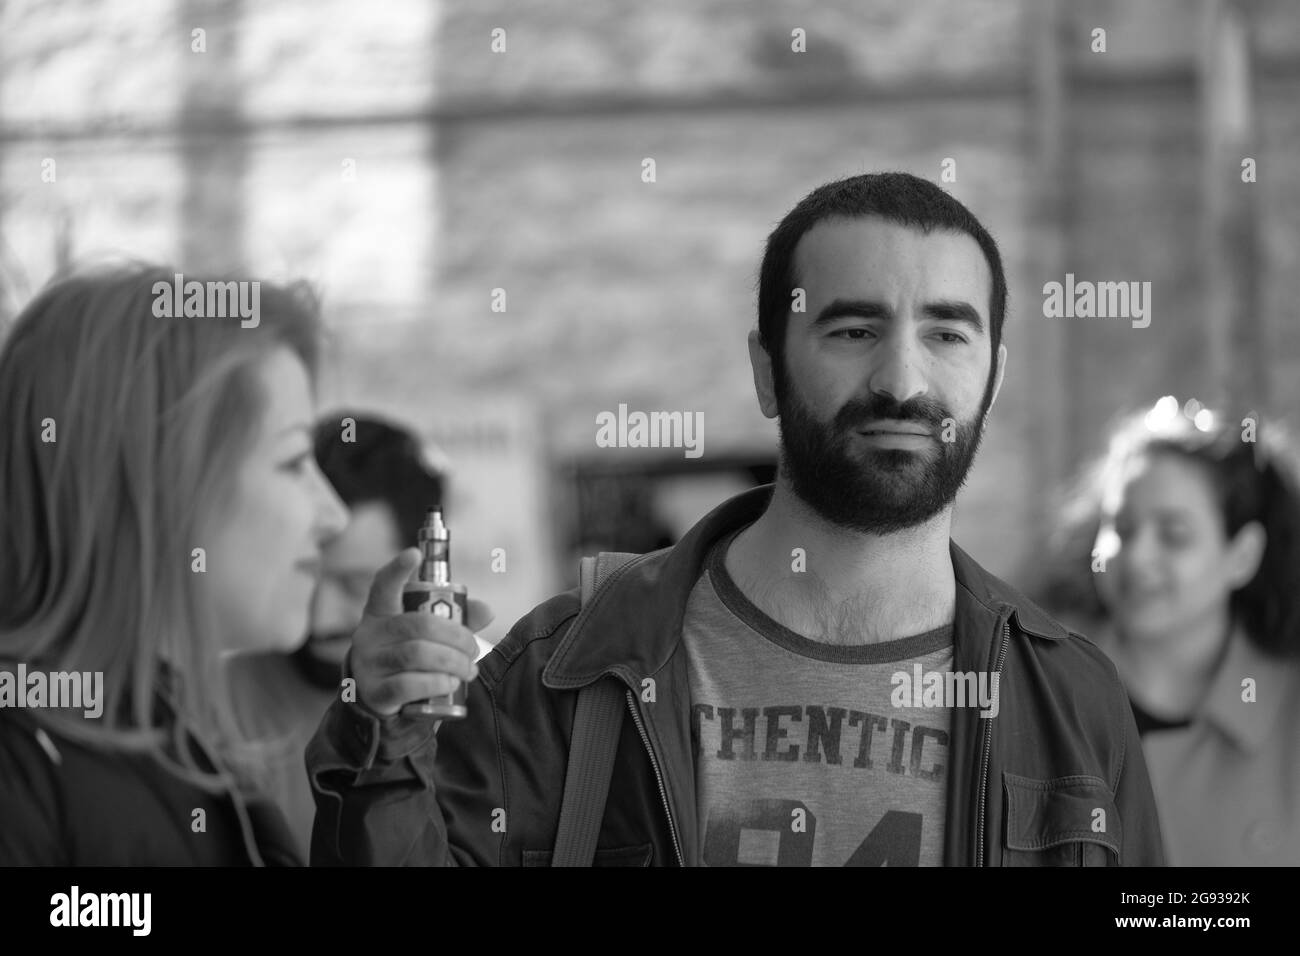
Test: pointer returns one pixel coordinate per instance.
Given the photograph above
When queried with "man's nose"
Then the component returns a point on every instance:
(898, 370)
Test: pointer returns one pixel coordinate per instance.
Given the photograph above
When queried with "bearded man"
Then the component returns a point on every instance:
(815, 674)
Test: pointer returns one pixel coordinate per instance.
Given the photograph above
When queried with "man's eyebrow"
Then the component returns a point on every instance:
(846, 308)
(292, 428)
(955, 312)
(944, 310)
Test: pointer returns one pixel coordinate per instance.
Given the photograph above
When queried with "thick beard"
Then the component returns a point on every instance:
(868, 490)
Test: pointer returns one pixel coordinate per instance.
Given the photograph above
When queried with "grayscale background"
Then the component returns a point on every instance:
(521, 171)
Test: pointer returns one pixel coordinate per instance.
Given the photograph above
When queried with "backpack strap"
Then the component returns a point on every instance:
(597, 724)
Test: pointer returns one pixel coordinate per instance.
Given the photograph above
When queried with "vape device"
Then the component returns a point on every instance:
(434, 594)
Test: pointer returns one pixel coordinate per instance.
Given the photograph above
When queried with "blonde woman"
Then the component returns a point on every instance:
(160, 511)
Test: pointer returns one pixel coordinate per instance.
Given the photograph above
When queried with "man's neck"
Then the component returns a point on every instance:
(838, 586)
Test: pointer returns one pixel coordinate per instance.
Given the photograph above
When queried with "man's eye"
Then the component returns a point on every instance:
(297, 464)
(851, 333)
(951, 338)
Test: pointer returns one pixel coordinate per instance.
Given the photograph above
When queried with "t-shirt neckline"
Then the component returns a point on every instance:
(903, 648)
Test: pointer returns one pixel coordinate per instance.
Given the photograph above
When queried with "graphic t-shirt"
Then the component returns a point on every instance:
(801, 757)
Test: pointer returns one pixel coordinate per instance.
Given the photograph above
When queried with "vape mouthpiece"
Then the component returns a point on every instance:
(433, 523)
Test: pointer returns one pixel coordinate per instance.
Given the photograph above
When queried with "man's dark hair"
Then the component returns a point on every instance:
(384, 464)
(895, 197)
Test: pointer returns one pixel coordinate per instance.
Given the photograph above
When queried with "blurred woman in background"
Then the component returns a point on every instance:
(1194, 529)
(160, 510)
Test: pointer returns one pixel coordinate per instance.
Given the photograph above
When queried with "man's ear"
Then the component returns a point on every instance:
(764, 384)
(1245, 553)
(998, 376)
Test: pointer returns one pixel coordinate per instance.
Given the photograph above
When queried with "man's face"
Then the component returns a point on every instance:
(348, 564)
(887, 372)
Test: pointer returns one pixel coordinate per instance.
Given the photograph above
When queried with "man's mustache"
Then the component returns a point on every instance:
(861, 412)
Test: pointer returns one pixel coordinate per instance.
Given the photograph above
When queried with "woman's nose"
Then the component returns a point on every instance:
(1138, 554)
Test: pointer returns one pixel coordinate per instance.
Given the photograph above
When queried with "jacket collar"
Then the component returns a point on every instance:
(633, 622)
(998, 596)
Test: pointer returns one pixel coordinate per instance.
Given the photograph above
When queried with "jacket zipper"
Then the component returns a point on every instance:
(984, 756)
(654, 762)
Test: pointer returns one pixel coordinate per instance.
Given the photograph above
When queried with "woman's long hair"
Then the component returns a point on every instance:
(1252, 469)
(123, 433)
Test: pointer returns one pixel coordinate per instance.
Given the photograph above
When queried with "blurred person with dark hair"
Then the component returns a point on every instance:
(1193, 523)
(388, 483)
(754, 665)
(160, 512)
(382, 475)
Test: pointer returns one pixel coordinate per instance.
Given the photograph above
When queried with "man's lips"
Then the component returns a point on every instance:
(309, 566)
(894, 428)
(336, 637)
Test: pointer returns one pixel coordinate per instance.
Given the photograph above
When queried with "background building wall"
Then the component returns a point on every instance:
(389, 155)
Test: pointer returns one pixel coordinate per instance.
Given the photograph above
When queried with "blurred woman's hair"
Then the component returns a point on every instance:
(1251, 467)
(123, 437)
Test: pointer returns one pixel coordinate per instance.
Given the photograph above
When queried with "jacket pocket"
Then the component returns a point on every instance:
(614, 856)
(1064, 821)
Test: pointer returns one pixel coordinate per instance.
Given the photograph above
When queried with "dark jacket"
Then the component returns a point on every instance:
(63, 803)
(1024, 787)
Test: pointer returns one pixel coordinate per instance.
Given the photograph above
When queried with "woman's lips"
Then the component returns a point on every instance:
(1130, 595)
